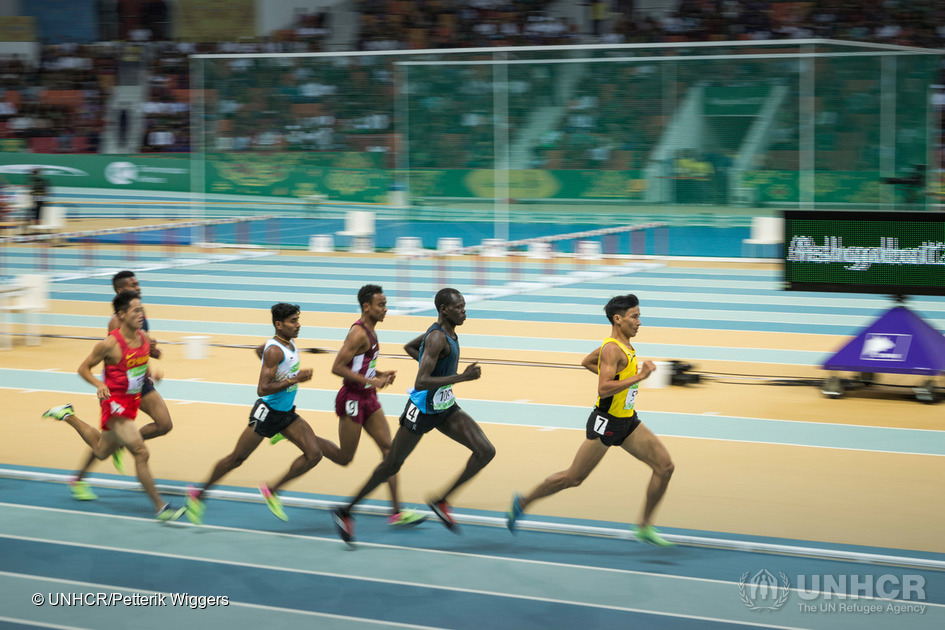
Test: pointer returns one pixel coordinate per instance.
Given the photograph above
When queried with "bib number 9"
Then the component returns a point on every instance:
(351, 408)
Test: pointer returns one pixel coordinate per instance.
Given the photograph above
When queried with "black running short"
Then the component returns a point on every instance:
(267, 421)
(420, 423)
(610, 430)
(148, 387)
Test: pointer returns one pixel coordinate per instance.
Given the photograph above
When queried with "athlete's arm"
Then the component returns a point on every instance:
(590, 361)
(610, 355)
(356, 343)
(103, 350)
(271, 360)
(412, 348)
(259, 350)
(435, 346)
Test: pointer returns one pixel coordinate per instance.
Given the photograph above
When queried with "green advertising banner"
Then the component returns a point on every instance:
(829, 187)
(355, 177)
(131, 172)
(528, 184)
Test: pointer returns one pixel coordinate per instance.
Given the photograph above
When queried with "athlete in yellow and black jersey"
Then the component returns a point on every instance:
(614, 422)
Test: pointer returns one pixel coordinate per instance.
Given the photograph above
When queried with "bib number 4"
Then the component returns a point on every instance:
(411, 413)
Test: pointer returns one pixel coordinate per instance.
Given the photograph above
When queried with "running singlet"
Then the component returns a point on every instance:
(128, 375)
(621, 403)
(441, 399)
(365, 364)
(289, 367)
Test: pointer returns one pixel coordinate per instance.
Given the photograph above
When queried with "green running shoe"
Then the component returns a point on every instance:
(406, 518)
(81, 491)
(60, 412)
(169, 513)
(117, 461)
(278, 437)
(275, 505)
(194, 506)
(651, 536)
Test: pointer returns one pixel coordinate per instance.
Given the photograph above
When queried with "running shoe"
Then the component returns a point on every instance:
(117, 461)
(169, 513)
(515, 512)
(60, 412)
(278, 437)
(651, 536)
(275, 505)
(406, 518)
(444, 512)
(81, 491)
(344, 524)
(194, 506)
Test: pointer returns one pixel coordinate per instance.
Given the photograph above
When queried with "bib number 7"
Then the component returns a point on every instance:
(600, 425)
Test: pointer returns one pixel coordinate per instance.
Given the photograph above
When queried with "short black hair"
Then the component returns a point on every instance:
(620, 304)
(367, 293)
(445, 297)
(283, 311)
(121, 301)
(119, 278)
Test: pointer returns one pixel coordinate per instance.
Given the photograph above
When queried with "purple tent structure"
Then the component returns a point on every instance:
(899, 342)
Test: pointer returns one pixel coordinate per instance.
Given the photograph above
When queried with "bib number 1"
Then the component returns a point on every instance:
(260, 411)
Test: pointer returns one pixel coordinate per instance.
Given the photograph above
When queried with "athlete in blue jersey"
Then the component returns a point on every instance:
(274, 412)
(432, 405)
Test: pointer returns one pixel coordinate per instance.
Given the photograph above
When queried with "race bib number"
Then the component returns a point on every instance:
(631, 396)
(371, 373)
(136, 378)
(600, 425)
(117, 409)
(259, 412)
(351, 408)
(411, 413)
(443, 398)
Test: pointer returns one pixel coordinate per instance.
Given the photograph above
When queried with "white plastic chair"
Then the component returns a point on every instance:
(51, 218)
(359, 225)
(33, 299)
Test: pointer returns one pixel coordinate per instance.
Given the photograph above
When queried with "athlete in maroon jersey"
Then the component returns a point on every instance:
(357, 405)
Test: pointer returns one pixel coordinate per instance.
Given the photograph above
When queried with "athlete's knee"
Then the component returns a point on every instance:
(233, 461)
(485, 452)
(389, 468)
(664, 469)
(140, 452)
(162, 427)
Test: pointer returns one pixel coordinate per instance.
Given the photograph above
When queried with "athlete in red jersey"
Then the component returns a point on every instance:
(151, 402)
(356, 404)
(125, 354)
